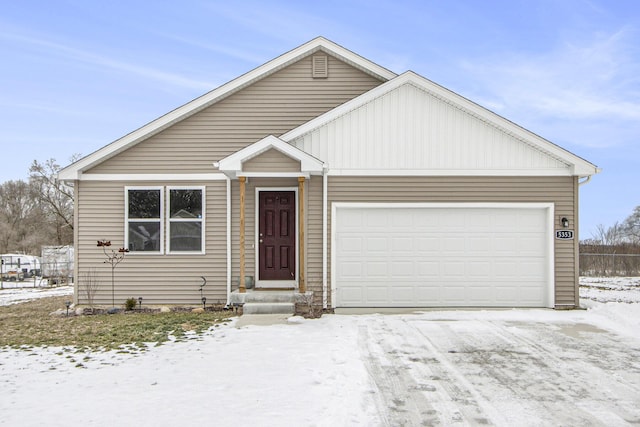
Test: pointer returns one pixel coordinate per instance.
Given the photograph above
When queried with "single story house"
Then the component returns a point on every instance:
(323, 172)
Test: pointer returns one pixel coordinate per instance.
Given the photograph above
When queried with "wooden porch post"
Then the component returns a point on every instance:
(303, 285)
(242, 179)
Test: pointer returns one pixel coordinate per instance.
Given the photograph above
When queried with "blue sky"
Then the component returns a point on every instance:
(78, 74)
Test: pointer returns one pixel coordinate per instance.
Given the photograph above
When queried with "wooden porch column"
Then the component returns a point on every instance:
(303, 285)
(242, 179)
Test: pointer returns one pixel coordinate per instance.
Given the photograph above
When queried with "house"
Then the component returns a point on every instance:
(324, 173)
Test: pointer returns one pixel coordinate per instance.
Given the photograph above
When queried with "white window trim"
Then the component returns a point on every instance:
(169, 220)
(126, 218)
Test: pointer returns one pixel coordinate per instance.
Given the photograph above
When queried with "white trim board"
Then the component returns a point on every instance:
(449, 172)
(153, 177)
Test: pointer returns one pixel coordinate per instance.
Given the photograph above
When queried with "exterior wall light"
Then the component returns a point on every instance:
(565, 222)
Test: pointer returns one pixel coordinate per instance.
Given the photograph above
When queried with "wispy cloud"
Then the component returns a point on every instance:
(240, 53)
(79, 55)
(580, 80)
(282, 22)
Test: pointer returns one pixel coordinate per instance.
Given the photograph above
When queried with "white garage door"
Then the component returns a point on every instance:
(426, 255)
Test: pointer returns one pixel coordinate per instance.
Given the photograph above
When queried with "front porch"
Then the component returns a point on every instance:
(269, 183)
(257, 301)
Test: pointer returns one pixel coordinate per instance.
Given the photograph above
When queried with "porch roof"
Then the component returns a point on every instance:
(232, 165)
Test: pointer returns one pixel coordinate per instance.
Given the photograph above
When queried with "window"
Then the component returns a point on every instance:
(145, 219)
(185, 220)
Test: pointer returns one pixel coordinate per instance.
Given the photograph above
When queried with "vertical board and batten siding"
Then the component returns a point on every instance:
(157, 278)
(410, 129)
(273, 105)
(561, 191)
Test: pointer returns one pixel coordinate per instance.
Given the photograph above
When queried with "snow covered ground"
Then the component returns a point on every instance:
(457, 367)
(17, 292)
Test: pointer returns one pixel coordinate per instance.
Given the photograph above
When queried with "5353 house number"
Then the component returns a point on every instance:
(564, 234)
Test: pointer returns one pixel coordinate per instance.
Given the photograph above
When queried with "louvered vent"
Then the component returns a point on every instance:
(320, 67)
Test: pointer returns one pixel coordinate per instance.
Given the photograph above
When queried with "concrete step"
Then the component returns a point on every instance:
(269, 296)
(268, 308)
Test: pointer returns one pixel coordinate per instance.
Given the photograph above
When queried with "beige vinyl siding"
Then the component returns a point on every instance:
(273, 105)
(157, 278)
(271, 161)
(314, 238)
(558, 190)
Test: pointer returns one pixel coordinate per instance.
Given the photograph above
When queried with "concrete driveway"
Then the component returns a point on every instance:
(436, 369)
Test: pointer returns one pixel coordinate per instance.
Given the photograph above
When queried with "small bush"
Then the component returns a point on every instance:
(130, 304)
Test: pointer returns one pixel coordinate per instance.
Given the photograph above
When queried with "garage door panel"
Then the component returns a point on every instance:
(441, 256)
(427, 245)
(428, 269)
(376, 294)
(351, 244)
(402, 295)
(453, 245)
(350, 270)
(402, 269)
(375, 269)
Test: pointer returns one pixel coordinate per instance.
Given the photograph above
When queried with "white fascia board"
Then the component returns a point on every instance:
(72, 171)
(577, 163)
(233, 162)
(153, 177)
(449, 172)
(273, 174)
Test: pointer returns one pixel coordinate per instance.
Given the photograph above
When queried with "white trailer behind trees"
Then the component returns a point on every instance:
(57, 264)
(19, 266)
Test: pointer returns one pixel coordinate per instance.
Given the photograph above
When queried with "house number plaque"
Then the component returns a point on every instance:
(564, 234)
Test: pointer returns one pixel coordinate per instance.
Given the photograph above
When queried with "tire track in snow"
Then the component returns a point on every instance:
(399, 402)
(572, 395)
(417, 384)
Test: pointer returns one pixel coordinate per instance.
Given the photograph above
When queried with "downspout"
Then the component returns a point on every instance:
(228, 240)
(324, 235)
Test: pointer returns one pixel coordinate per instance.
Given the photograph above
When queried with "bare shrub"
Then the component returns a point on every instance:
(90, 284)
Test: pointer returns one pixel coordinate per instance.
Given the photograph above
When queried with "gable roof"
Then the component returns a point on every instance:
(549, 158)
(232, 164)
(74, 171)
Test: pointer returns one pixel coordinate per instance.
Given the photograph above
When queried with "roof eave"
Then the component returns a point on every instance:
(74, 170)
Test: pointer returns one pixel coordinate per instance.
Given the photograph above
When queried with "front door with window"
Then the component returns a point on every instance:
(277, 236)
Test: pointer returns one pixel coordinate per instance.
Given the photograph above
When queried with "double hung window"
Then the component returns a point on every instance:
(147, 217)
(185, 220)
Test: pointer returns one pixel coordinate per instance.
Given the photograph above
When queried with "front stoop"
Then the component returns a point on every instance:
(269, 302)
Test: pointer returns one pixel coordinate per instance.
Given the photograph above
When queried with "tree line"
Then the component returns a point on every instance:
(36, 212)
(614, 250)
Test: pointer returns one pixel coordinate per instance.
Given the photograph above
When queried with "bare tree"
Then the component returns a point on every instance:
(19, 214)
(608, 236)
(631, 226)
(56, 197)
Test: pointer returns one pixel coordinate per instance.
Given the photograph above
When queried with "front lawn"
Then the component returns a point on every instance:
(31, 324)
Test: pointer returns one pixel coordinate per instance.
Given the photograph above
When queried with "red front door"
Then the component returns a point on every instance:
(277, 235)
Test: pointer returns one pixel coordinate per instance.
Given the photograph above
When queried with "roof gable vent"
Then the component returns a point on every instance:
(320, 67)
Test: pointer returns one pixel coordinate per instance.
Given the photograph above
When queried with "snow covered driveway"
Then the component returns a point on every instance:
(500, 368)
(465, 367)
(505, 368)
